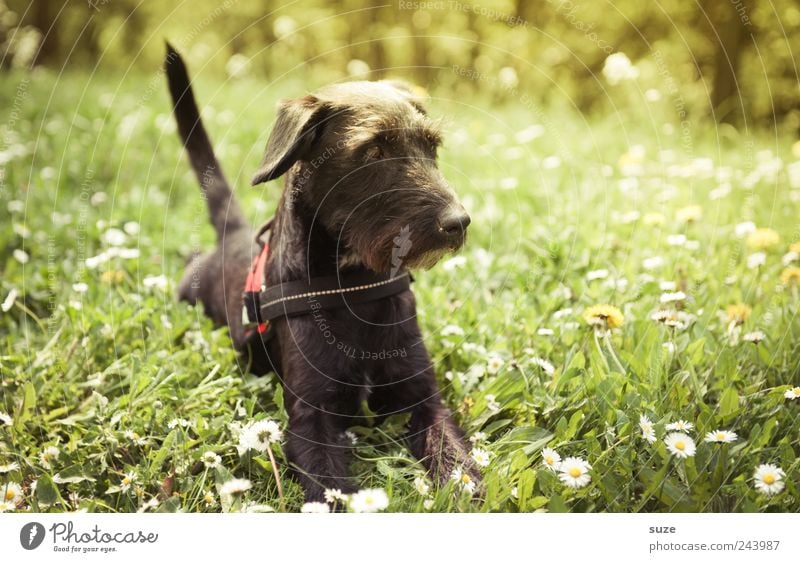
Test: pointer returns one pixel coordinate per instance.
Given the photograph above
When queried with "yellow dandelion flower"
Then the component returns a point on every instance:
(110, 277)
(763, 238)
(604, 316)
(653, 219)
(738, 312)
(692, 213)
(790, 275)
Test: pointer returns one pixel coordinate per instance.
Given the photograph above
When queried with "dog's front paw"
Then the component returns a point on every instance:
(447, 455)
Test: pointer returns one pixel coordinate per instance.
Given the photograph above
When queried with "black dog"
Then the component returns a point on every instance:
(363, 196)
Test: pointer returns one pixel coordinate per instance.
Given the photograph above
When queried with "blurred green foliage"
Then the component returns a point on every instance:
(731, 60)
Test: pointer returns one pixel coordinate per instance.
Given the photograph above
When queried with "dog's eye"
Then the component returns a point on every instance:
(374, 152)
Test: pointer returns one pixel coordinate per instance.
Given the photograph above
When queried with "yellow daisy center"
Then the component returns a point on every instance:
(466, 479)
(769, 479)
(9, 495)
(126, 481)
(574, 471)
(549, 460)
(680, 445)
(796, 390)
(368, 500)
(720, 436)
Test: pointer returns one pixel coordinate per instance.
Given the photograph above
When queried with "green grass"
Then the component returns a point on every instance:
(80, 370)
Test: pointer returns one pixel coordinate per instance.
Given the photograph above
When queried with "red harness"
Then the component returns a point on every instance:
(255, 283)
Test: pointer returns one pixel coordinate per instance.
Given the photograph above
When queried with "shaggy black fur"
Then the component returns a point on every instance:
(362, 192)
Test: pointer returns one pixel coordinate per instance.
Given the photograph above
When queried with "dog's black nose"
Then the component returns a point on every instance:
(453, 223)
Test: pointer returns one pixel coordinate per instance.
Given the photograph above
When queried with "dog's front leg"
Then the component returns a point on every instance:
(316, 450)
(435, 439)
(439, 443)
(321, 403)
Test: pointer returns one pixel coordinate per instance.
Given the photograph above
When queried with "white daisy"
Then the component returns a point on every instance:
(80, 287)
(209, 499)
(597, 274)
(48, 455)
(175, 422)
(676, 296)
(744, 228)
(260, 435)
(492, 404)
(648, 432)
(756, 260)
(5, 419)
(755, 337)
(481, 457)
(352, 437)
(369, 500)
(127, 481)
(235, 487)
(453, 263)
(211, 459)
(7, 506)
(680, 445)
(463, 480)
(494, 364)
(21, 256)
(545, 365)
(114, 237)
(315, 507)
(720, 436)
(452, 330)
(793, 393)
(333, 495)
(422, 486)
(478, 436)
(769, 479)
(155, 281)
(574, 472)
(131, 228)
(6, 305)
(12, 493)
(135, 437)
(679, 425)
(10, 467)
(551, 459)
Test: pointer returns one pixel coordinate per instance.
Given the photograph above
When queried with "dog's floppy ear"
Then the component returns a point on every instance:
(293, 134)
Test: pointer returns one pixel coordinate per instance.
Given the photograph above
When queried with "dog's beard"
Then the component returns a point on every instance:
(385, 256)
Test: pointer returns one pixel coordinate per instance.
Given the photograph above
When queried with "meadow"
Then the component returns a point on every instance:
(114, 397)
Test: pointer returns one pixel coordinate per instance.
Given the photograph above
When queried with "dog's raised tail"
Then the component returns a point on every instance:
(224, 211)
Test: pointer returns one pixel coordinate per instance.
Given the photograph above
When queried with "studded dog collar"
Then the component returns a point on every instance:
(262, 304)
